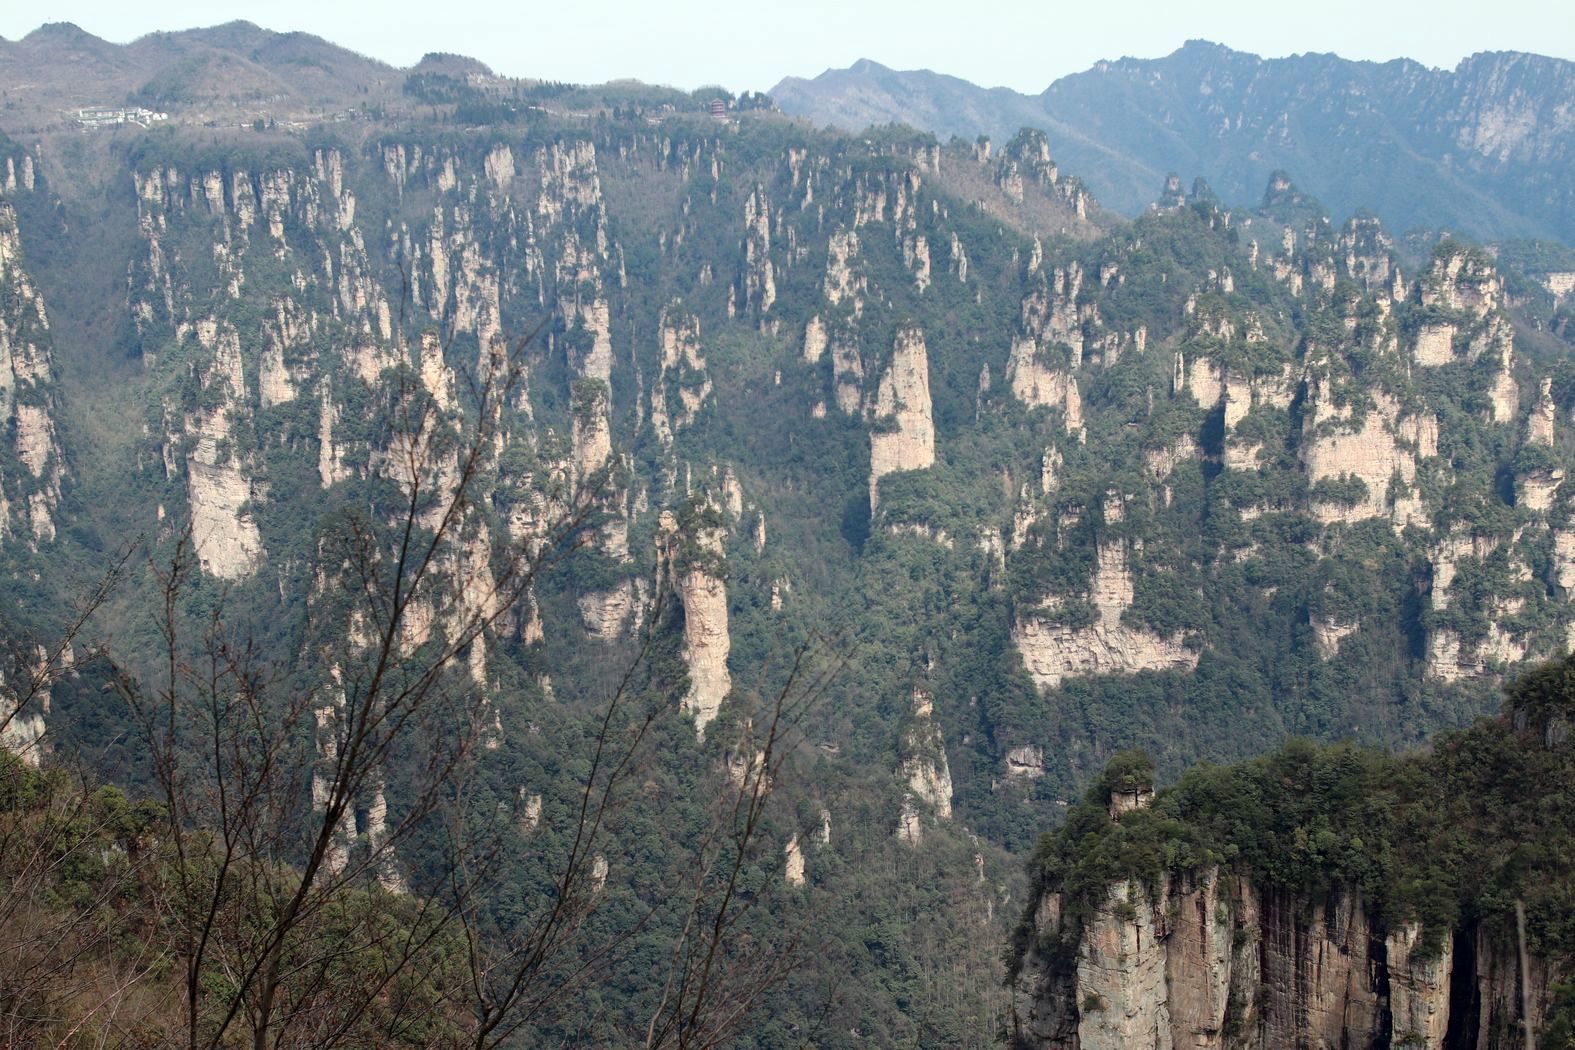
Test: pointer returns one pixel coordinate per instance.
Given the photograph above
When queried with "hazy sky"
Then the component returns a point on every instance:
(750, 44)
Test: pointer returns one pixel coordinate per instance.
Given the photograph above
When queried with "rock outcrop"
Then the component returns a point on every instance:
(1453, 655)
(1039, 384)
(793, 862)
(1418, 987)
(1121, 977)
(926, 776)
(1328, 633)
(682, 369)
(218, 485)
(759, 278)
(1369, 452)
(33, 466)
(902, 432)
(1054, 651)
(694, 555)
(1215, 962)
(1328, 419)
(24, 710)
(844, 284)
(847, 368)
(1464, 318)
(1026, 761)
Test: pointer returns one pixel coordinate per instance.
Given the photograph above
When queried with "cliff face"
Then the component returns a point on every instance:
(218, 485)
(903, 435)
(1054, 651)
(32, 464)
(24, 718)
(1177, 482)
(925, 775)
(1379, 450)
(706, 645)
(693, 554)
(701, 306)
(412, 260)
(1038, 385)
(1215, 961)
(682, 367)
(1188, 438)
(1315, 896)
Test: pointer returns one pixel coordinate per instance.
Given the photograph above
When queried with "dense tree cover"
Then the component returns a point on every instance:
(1231, 561)
(1452, 835)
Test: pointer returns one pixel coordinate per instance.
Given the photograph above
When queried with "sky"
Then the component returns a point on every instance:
(751, 44)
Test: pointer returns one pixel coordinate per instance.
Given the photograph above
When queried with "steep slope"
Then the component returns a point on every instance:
(284, 306)
(1172, 452)
(32, 462)
(1050, 485)
(1315, 897)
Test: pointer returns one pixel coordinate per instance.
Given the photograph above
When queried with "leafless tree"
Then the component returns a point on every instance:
(288, 929)
(715, 978)
(51, 824)
(275, 904)
(31, 668)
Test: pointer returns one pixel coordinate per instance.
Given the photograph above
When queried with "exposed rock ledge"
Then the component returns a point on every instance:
(1038, 385)
(1375, 449)
(226, 536)
(1054, 652)
(1211, 961)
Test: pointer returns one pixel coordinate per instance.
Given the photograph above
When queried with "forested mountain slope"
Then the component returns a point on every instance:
(1317, 896)
(1048, 485)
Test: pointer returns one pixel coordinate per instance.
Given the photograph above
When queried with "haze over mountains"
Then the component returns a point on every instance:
(1482, 150)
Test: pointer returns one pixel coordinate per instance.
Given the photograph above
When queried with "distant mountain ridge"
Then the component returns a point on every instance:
(1482, 150)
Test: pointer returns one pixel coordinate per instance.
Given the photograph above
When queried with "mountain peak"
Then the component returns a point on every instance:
(867, 66)
(67, 34)
(449, 64)
(239, 25)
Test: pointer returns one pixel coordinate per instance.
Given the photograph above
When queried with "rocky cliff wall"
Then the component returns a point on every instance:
(1220, 962)
(925, 776)
(33, 466)
(471, 242)
(902, 436)
(692, 553)
(1291, 462)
